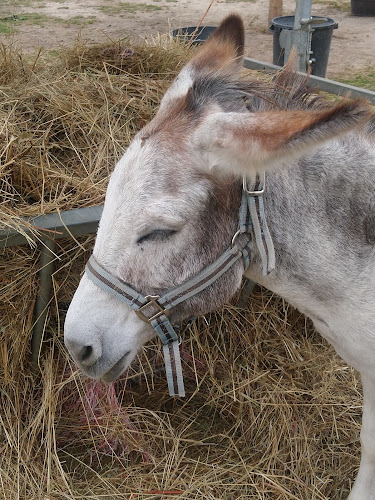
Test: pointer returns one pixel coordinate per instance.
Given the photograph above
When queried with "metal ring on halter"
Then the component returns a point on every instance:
(235, 237)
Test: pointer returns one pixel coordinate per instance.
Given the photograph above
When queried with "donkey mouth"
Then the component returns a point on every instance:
(116, 369)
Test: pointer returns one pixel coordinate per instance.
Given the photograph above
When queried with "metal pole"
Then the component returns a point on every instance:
(303, 11)
(247, 290)
(300, 37)
(46, 260)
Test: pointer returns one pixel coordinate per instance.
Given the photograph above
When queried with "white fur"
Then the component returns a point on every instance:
(179, 87)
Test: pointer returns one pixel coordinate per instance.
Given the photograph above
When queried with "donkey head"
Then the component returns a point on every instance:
(172, 202)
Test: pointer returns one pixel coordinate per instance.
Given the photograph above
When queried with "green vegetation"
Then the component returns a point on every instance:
(131, 8)
(78, 20)
(364, 79)
(343, 5)
(18, 3)
(8, 25)
(28, 3)
(6, 28)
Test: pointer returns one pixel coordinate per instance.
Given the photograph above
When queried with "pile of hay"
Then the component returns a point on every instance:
(270, 413)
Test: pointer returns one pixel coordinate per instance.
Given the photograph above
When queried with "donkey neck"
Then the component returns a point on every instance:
(321, 214)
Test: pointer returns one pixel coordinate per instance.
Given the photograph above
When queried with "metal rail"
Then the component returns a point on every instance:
(317, 82)
(54, 226)
(46, 266)
(45, 229)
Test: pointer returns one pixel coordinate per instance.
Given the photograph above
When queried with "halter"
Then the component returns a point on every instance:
(154, 309)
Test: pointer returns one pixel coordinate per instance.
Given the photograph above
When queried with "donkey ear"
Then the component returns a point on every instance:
(240, 143)
(223, 52)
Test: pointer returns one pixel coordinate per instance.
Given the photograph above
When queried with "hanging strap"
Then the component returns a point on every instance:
(171, 350)
(254, 190)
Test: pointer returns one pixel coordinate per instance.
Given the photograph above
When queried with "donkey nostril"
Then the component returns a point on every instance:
(86, 353)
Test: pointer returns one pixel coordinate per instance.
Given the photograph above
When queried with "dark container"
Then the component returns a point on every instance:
(362, 7)
(193, 35)
(320, 42)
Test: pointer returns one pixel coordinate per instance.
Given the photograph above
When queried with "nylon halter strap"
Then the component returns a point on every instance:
(154, 309)
(254, 190)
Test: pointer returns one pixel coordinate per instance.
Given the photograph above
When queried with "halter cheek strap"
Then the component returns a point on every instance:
(154, 309)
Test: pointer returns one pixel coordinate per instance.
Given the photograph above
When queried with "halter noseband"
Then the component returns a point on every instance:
(251, 221)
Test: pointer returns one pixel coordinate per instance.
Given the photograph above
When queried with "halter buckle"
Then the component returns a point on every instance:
(260, 180)
(151, 300)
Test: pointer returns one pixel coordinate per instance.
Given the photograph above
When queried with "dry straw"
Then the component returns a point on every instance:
(271, 412)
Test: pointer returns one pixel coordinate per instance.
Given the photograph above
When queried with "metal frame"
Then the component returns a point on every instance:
(54, 226)
(316, 82)
(45, 229)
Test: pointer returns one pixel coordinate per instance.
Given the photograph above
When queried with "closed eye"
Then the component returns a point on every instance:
(156, 235)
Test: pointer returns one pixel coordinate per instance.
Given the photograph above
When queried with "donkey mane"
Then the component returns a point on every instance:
(288, 90)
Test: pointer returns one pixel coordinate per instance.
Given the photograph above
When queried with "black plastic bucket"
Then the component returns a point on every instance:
(320, 42)
(193, 35)
(362, 7)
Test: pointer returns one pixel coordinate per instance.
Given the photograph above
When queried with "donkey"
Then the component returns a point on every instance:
(175, 223)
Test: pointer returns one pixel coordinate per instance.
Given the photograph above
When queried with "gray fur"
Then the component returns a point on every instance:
(320, 209)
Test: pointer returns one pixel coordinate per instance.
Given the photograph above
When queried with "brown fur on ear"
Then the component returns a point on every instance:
(283, 131)
(223, 52)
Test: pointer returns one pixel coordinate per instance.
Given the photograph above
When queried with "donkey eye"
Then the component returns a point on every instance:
(157, 235)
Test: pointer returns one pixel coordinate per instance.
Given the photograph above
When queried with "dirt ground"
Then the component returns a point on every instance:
(35, 23)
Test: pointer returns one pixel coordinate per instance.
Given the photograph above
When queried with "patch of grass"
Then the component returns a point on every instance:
(53, 53)
(131, 8)
(8, 24)
(364, 79)
(78, 20)
(17, 3)
(6, 28)
(33, 18)
(342, 5)
(28, 3)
